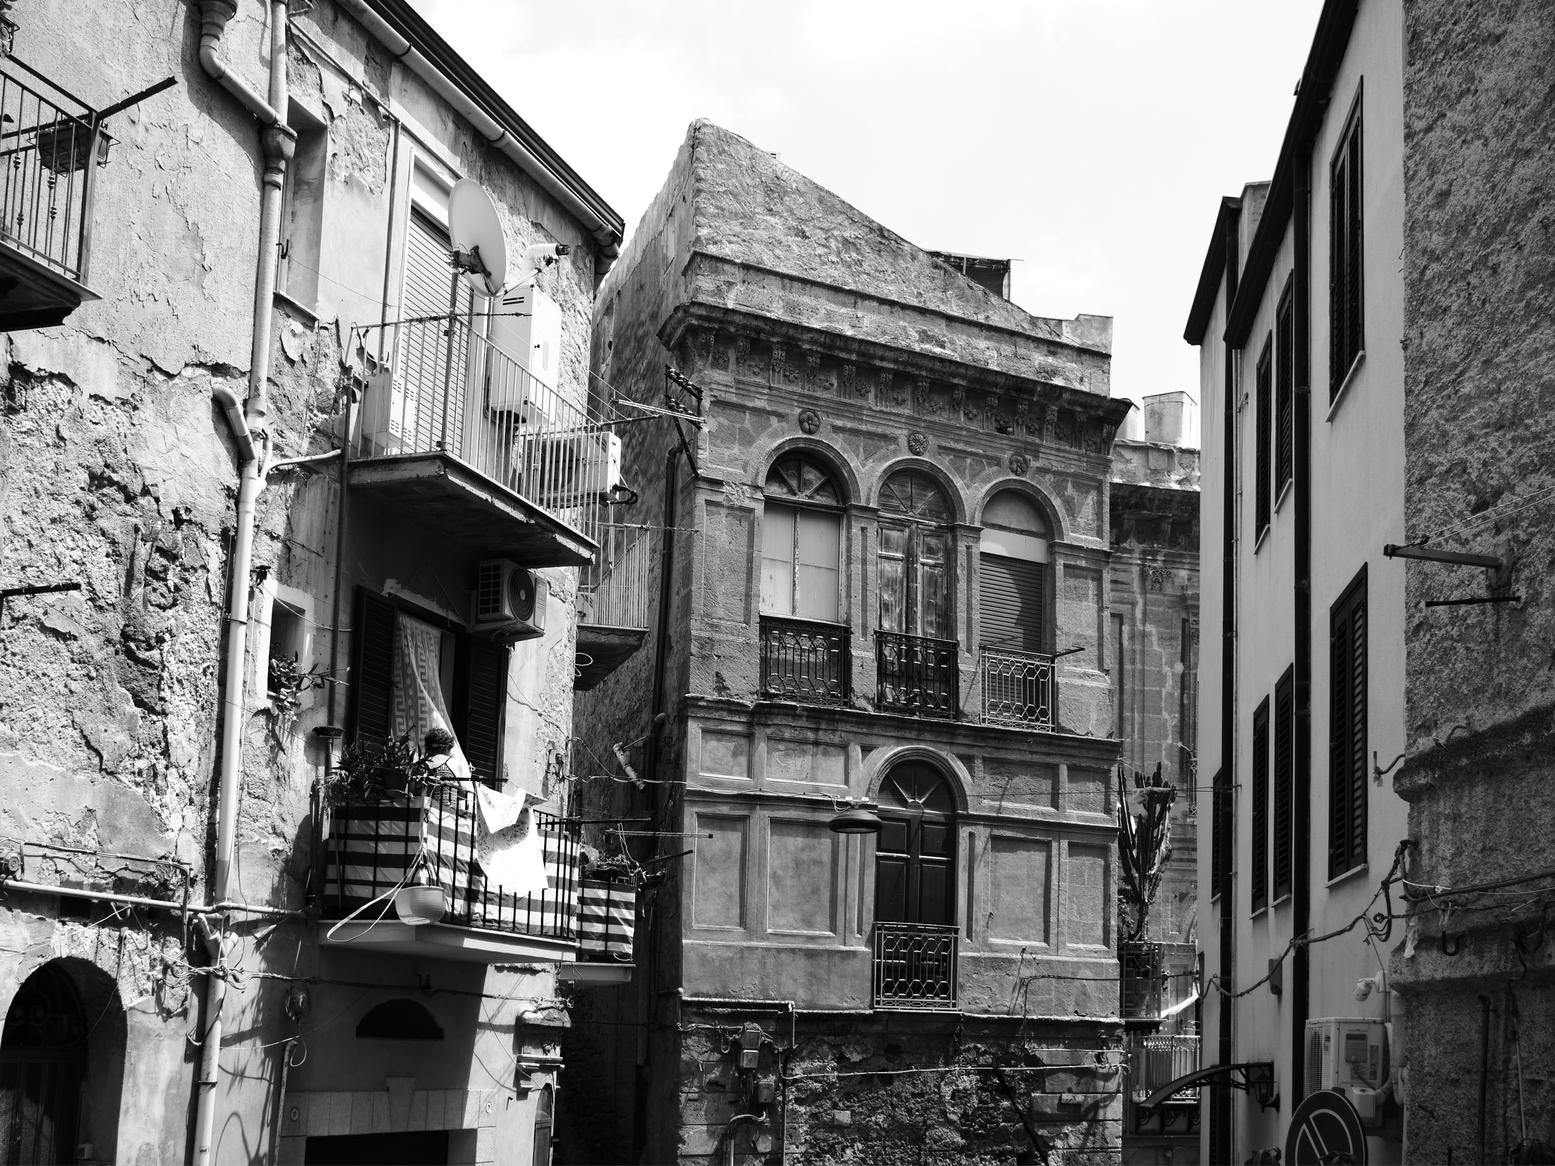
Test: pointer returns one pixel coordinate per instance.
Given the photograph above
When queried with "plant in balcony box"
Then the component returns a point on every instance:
(369, 768)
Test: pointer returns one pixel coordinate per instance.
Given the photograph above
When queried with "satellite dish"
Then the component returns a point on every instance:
(480, 249)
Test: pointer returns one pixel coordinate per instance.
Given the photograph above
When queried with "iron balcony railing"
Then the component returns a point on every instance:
(613, 592)
(1020, 689)
(48, 146)
(1143, 985)
(917, 675)
(1157, 1059)
(447, 389)
(915, 966)
(805, 662)
(375, 840)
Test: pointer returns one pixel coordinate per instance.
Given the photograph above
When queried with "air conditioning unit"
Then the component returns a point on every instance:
(1350, 1056)
(562, 470)
(527, 324)
(509, 600)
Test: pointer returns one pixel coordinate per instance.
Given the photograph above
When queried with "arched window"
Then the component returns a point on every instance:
(399, 1019)
(1013, 575)
(914, 557)
(43, 1056)
(801, 541)
(915, 850)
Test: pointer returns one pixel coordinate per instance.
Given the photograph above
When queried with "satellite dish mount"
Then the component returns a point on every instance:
(480, 248)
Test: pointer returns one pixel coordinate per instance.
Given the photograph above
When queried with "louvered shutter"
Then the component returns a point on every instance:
(424, 365)
(1010, 596)
(1284, 785)
(481, 699)
(372, 668)
(1356, 833)
(1347, 758)
(1263, 419)
(1353, 329)
(1259, 877)
(1284, 393)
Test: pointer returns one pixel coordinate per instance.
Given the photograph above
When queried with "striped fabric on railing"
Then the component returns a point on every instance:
(607, 918)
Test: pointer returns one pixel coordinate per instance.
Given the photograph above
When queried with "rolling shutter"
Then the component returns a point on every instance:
(483, 682)
(372, 668)
(1011, 593)
(424, 364)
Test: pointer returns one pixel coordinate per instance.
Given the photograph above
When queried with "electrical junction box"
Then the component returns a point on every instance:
(527, 325)
(766, 1090)
(1350, 1055)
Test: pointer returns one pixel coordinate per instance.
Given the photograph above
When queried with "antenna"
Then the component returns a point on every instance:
(480, 249)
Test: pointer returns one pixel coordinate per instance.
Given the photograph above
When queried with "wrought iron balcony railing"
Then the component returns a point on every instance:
(1144, 979)
(447, 389)
(1157, 1059)
(915, 966)
(917, 675)
(804, 661)
(374, 841)
(613, 592)
(1020, 689)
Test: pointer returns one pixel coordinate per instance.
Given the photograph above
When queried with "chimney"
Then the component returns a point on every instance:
(1169, 418)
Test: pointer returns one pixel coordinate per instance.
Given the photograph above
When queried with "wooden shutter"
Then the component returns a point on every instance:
(932, 587)
(1220, 797)
(372, 668)
(1347, 730)
(480, 701)
(1284, 783)
(1258, 880)
(892, 560)
(1010, 596)
(1284, 392)
(1264, 421)
(1353, 236)
(891, 872)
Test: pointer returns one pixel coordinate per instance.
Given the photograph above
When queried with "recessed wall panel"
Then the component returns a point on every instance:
(718, 893)
(802, 878)
(1020, 872)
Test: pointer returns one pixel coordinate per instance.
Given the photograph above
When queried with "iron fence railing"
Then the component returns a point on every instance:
(915, 966)
(613, 592)
(805, 662)
(1158, 1059)
(375, 839)
(917, 675)
(1020, 689)
(448, 389)
(1142, 989)
(49, 148)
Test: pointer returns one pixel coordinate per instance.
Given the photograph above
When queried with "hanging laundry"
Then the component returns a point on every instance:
(507, 844)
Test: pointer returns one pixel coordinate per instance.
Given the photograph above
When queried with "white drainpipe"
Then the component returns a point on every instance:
(248, 431)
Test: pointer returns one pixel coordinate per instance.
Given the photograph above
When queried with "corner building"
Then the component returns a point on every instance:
(880, 568)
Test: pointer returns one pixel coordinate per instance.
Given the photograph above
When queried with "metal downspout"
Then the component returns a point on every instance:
(279, 143)
(1301, 467)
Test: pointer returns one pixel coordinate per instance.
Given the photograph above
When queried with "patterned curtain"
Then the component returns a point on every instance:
(418, 688)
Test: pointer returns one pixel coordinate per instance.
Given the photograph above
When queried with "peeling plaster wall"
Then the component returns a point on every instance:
(117, 472)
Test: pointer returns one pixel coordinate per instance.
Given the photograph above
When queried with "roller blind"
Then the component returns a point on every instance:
(1010, 592)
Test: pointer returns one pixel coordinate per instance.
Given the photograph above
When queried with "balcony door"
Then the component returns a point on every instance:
(1013, 575)
(914, 557)
(915, 851)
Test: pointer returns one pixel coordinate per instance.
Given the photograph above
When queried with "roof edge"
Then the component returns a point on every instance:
(1211, 274)
(1329, 45)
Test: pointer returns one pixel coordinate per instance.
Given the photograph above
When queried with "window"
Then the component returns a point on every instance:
(801, 542)
(302, 214)
(1284, 782)
(1284, 392)
(1220, 835)
(1013, 575)
(1346, 317)
(545, 1117)
(915, 850)
(411, 672)
(1258, 880)
(286, 639)
(1262, 419)
(914, 557)
(1347, 730)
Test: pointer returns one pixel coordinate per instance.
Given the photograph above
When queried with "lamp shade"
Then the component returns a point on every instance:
(856, 820)
(420, 904)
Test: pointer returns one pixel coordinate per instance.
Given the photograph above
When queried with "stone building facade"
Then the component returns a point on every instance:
(171, 816)
(882, 578)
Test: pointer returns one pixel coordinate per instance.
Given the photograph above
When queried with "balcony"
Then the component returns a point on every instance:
(372, 844)
(1020, 690)
(1143, 985)
(805, 662)
(917, 676)
(607, 926)
(453, 433)
(1155, 1060)
(613, 597)
(915, 967)
(52, 145)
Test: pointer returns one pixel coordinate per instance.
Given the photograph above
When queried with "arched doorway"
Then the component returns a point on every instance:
(915, 901)
(42, 1068)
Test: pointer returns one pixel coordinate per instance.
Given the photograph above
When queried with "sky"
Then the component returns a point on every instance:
(1088, 140)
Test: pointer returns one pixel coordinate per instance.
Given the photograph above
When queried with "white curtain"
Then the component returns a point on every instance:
(418, 691)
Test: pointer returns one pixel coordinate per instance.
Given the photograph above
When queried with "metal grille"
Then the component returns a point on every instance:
(917, 675)
(374, 840)
(1159, 1059)
(1143, 979)
(49, 155)
(452, 391)
(1020, 689)
(915, 966)
(804, 662)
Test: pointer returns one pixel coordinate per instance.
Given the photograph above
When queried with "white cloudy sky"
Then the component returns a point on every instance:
(1088, 139)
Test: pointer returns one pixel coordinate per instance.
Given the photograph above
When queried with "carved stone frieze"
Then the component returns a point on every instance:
(742, 352)
(849, 378)
(812, 370)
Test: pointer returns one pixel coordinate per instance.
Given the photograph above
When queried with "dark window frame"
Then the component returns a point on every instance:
(1347, 729)
(1283, 741)
(1258, 876)
(1346, 246)
(1263, 439)
(1221, 832)
(1284, 391)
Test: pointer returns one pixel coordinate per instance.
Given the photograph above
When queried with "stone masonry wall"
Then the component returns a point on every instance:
(1480, 702)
